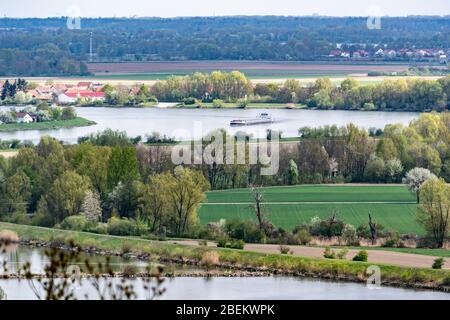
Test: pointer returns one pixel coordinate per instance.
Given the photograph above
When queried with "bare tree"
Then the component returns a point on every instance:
(258, 205)
(373, 230)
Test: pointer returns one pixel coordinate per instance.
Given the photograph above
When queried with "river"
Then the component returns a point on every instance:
(262, 288)
(185, 124)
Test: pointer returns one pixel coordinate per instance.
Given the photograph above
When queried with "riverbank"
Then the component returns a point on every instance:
(377, 255)
(47, 125)
(165, 252)
(234, 105)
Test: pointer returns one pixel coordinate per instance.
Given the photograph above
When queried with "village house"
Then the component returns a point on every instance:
(379, 53)
(59, 88)
(24, 117)
(72, 97)
(390, 54)
(39, 95)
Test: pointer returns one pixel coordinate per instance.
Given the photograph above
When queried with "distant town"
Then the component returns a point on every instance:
(348, 52)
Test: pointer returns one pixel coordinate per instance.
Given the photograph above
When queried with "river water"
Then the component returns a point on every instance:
(263, 288)
(185, 124)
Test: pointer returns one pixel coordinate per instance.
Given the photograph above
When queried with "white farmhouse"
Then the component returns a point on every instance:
(66, 99)
(23, 117)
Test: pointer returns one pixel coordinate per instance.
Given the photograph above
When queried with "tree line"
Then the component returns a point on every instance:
(405, 95)
(46, 47)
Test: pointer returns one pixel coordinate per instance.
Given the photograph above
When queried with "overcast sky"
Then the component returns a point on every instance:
(172, 8)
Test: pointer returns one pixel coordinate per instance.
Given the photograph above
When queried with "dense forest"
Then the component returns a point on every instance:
(47, 47)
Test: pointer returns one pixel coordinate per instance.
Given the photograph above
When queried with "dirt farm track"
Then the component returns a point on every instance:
(188, 66)
(129, 73)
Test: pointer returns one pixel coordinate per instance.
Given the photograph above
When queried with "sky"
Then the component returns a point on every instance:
(175, 8)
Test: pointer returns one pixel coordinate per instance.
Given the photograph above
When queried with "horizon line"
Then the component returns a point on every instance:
(228, 16)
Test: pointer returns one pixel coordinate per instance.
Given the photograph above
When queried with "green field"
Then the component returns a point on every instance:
(48, 125)
(251, 74)
(393, 206)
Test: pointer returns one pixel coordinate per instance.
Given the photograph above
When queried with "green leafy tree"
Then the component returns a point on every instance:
(154, 202)
(123, 166)
(65, 197)
(375, 169)
(68, 113)
(434, 210)
(186, 189)
(16, 194)
(123, 199)
(93, 162)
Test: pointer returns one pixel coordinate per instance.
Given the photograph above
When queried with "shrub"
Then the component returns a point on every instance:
(217, 103)
(101, 228)
(75, 223)
(427, 242)
(438, 263)
(189, 101)
(210, 258)
(363, 231)
(286, 237)
(349, 235)
(303, 237)
(231, 243)
(237, 244)
(329, 254)
(244, 230)
(222, 242)
(331, 227)
(121, 227)
(285, 249)
(19, 218)
(393, 240)
(361, 256)
(140, 228)
(42, 220)
(342, 254)
(126, 248)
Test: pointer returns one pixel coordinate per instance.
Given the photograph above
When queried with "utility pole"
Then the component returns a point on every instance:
(90, 49)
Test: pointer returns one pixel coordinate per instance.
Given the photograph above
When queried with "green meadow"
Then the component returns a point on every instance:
(393, 206)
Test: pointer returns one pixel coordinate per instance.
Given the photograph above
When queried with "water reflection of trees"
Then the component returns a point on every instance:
(61, 275)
